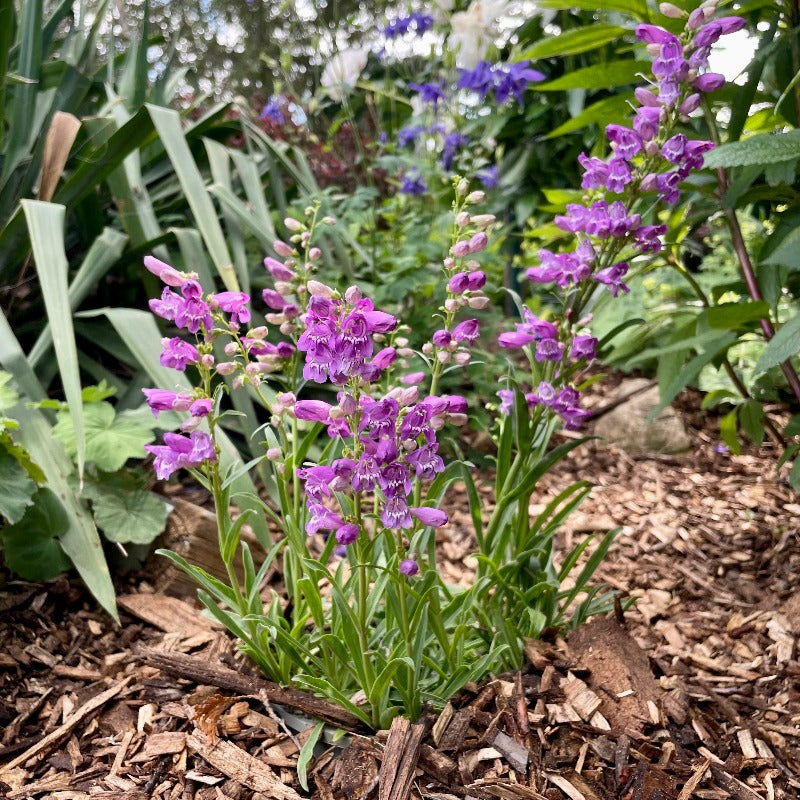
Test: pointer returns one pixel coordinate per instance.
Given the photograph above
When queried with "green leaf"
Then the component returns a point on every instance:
(577, 40)
(18, 488)
(751, 418)
(31, 547)
(787, 253)
(784, 345)
(793, 426)
(732, 316)
(46, 226)
(111, 438)
(636, 8)
(307, 753)
(794, 475)
(598, 76)
(761, 149)
(607, 110)
(126, 514)
(728, 430)
(8, 397)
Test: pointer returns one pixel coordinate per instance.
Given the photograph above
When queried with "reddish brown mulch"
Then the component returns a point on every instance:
(694, 695)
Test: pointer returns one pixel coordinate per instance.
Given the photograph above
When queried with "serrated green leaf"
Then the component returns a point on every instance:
(762, 149)
(784, 345)
(572, 42)
(603, 76)
(30, 547)
(127, 515)
(111, 438)
(18, 488)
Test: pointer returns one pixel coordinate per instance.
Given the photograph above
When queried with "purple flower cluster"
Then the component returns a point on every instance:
(417, 22)
(272, 111)
(431, 93)
(413, 184)
(564, 402)
(179, 452)
(393, 445)
(505, 80)
(338, 336)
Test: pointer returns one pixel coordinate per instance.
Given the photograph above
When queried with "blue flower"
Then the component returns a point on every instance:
(488, 177)
(422, 22)
(479, 80)
(453, 142)
(413, 184)
(408, 135)
(400, 27)
(513, 79)
(272, 112)
(429, 92)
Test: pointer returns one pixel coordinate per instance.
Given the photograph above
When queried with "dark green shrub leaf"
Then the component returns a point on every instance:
(785, 344)
(751, 418)
(605, 76)
(731, 316)
(574, 41)
(18, 488)
(762, 149)
(126, 514)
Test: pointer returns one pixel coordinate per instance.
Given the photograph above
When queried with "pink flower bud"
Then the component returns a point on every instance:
(278, 271)
(274, 453)
(294, 225)
(433, 517)
(443, 356)
(670, 10)
(462, 358)
(462, 219)
(457, 419)
(353, 295)
(318, 289)
(479, 302)
(329, 220)
(283, 288)
(427, 348)
(226, 368)
(409, 396)
(478, 242)
(413, 378)
(282, 249)
(476, 197)
(461, 249)
(238, 382)
(275, 319)
(483, 220)
(207, 360)
(449, 263)
(165, 272)
(312, 410)
(646, 97)
(451, 305)
(691, 103)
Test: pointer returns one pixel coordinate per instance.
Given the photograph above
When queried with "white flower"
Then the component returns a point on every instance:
(342, 72)
(473, 30)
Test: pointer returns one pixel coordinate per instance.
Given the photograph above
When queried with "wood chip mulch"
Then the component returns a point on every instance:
(694, 693)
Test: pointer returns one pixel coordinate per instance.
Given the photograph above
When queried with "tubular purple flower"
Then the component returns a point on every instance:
(612, 277)
(278, 270)
(234, 303)
(408, 567)
(201, 407)
(441, 338)
(653, 34)
(517, 338)
(709, 82)
(461, 249)
(312, 410)
(165, 272)
(385, 357)
(347, 534)
(478, 242)
(627, 142)
(164, 400)
(413, 378)
(396, 513)
(584, 347)
(432, 517)
(467, 331)
(176, 354)
(458, 283)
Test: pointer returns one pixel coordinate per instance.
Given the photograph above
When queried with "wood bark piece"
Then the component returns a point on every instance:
(168, 614)
(733, 786)
(242, 767)
(49, 742)
(198, 669)
(400, 757)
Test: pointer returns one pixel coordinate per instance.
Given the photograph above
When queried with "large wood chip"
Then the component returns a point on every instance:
(241, 766)
(400, 756)
(168, 614)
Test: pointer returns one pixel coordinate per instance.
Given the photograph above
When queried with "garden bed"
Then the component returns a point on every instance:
(691, 693)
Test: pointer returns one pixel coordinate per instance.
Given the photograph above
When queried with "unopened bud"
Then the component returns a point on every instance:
(482, 221)
(226, 368)
(329, 220)
(651, 148)
(401, 341)
(437, 422)
(275, 319)
(449, 263)
(479, 302)
(318, 289)
(353, 295)
(231, 349)
(462, 358)
(315, 253)
(670, 10)
(207, 360)
(457, 419)
(282, 249)
(478, 242)
(294, 225)
(284, 288)
(462, 187)
(451, 305)
(274, 453)
(405, 352)
(462, 300)
(461, 249)
(287, 328)
(408, 396)
(476, 197)
(238, 382)
(443, 356)
(260, 332)
(427, 348)
(462, 219)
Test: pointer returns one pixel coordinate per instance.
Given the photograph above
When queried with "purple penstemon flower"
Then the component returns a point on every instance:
(181, 452)
(177, 354)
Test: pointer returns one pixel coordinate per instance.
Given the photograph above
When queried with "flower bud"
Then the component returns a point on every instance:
(315, 253)
(443, 356)
(401, 341)
(479, 302)
(462, 358)
(449, 263)
(226, 368)
(476, 197)
(670, 10)
(353, 295)
(462, 219)
(231, 349)
(482, 221)
(207, 360)
(651, 148)
(275, 319)
(284, 288)
(286, 399)
(287, 328)
(461, 249)
(691, 103)
(329, 220)
(238, 382)
(274, 453)
(282, 249)
(457, 419)
(408, 396)
(405, 352)
(427, 348)
(696, 19)
(462, 187)
(259, 333)
(278, 271)
(294, 225)
(451, 305)
(317, 289)
(347, 403)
